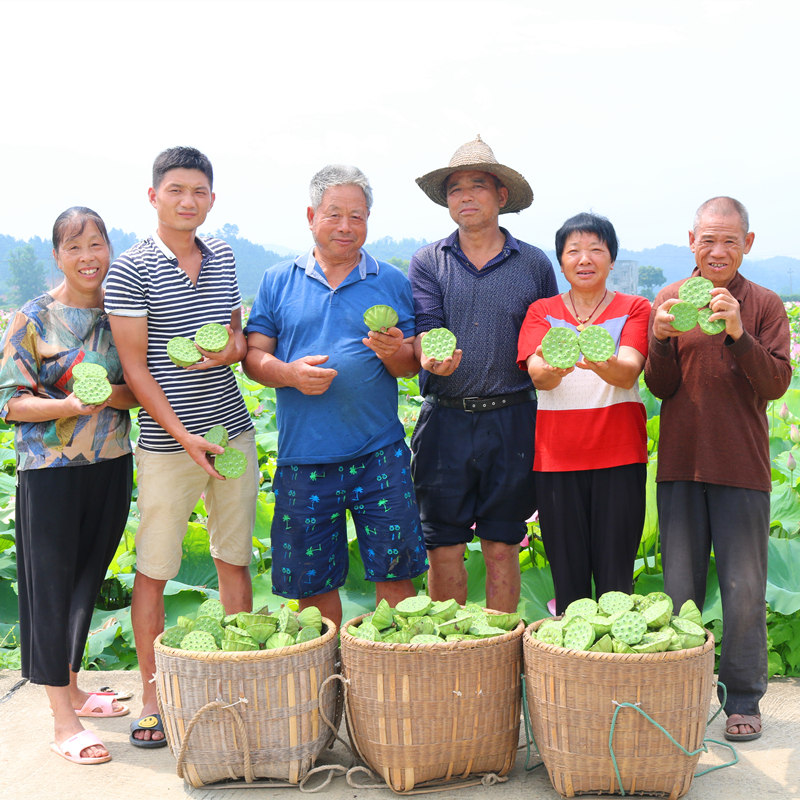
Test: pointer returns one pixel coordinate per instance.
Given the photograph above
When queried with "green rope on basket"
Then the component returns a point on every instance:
(529, 737)
(702, 749)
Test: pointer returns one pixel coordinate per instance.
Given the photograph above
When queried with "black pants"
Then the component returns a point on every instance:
(69, 523)
(694, 517)
(591, 522)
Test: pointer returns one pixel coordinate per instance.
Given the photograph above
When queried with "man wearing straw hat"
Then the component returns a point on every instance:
(473, 444)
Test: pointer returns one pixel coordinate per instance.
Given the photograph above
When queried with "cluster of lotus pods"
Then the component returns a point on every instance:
(211, 629)
(91, 385)
(562, 347)
(692, 308)
(419, 620)
(623, 623)
(183, 352)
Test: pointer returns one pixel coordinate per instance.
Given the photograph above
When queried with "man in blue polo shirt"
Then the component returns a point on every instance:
(340, 443)
(473, 444)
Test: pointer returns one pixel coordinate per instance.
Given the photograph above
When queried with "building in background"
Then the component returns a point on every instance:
(624, 277)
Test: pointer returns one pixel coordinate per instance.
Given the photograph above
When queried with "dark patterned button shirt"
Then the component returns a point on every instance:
(484, 308)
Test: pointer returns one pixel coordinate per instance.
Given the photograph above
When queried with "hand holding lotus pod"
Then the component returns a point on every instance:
(695, 296)
(217, 435)
(685, 316)
(92, 391)
(231, 463)
(696, 291)
(596, 343)
(380, 318)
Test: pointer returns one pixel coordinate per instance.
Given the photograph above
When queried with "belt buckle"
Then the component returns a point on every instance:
(465, 400)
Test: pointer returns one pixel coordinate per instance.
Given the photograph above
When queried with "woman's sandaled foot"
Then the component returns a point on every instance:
(743, 727)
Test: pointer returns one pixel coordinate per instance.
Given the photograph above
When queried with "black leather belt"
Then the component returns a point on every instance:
(482, 403)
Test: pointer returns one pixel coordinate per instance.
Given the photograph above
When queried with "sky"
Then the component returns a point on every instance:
(637, 111)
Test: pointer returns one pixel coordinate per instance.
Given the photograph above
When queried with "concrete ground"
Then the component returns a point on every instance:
(768, 767)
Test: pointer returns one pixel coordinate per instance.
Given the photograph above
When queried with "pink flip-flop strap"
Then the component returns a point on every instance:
(101, 701)
(80, 740)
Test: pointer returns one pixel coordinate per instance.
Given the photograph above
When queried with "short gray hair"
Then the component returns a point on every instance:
(723, 206)
(338, 175)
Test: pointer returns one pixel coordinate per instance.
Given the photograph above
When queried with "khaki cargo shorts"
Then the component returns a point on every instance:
(170, 484)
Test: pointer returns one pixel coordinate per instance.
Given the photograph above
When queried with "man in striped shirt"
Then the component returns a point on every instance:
(169, 285)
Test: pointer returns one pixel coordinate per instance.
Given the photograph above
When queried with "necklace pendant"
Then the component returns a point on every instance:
(580, 326)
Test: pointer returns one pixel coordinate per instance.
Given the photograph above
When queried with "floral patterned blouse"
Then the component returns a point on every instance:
(43, 342)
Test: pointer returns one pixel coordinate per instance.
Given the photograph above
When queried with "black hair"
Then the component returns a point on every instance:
(72, 222)
(588, 223)
(181, 158)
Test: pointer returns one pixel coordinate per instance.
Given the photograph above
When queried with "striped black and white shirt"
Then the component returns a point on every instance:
(146, 281)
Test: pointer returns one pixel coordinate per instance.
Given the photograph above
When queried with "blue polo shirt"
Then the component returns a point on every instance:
(296, 305)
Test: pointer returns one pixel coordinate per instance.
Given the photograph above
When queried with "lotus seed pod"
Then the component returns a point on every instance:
(307, 634)
(618, 646)
(458, 625)
(603, 645)
(711, 327)
(560, 348)
(261, 632)
(87, 369)
(579, 635)
(186, 622)
(658, 614)
(683, 625)
(212, 337)
(217, 435)
(92, 391)
(366, 630)
(614, 602)
(279, 640)
(446, 609)
(380, 318)
(423, 625)
(232, 633)
(690, 611)
(199, 641)
(172, 637)
(182, 351)
(287, 622)
(231, 463)
(398, 637)
(311, 617)
(488, 631)
(653, 643)
(688, 641)
(413, 606)
(602, 625)
(381, 619)
(505, 621)
(453, 637)
(585, 607)
(211, 608)
(209, 625)
(629, 628)
(239, 645)
(596, 343)
(685, 316)
(438, 344)
(550, 634)
(696, 291)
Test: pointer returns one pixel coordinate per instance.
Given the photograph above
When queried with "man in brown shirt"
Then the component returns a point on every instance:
(713, 463)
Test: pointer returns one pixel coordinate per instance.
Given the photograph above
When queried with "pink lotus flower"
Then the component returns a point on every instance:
(791, 463)
(784, 412)
(551, 607)
(794, 433)
(525, 542)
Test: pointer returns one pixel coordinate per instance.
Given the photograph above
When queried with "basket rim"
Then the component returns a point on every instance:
(619, 658)
(433, 647)
(249, 655)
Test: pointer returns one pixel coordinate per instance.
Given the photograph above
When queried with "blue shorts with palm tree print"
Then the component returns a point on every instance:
(309, 530)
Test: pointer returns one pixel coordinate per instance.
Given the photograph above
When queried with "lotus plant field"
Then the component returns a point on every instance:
(110, 645)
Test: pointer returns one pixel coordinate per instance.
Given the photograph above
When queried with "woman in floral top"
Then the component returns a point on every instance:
(74, 474)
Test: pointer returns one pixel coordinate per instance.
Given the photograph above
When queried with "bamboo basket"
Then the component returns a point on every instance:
(572, 696)
(426, 713)
(277, 733)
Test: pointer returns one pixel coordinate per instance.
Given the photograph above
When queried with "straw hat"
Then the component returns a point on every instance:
(478, 155)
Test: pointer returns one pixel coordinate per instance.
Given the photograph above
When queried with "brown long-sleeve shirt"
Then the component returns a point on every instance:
(715, 390)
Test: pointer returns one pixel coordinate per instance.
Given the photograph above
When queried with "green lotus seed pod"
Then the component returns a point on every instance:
(279, 640)
(92, 391)
(88, 369)
(560, 348)
(603, 645)
(696, 291)
(212, 337)
(307, 634)
(585, 608)
(211, 608)
(381, 619)
(311, 617)
(422, 625)
(460, 625)
(596, 343)
(398, 637)
(287, 622)
(209, 625)
(172, 637)
(690, 611)
(232, 633)
(629, 628)
(614, 602)
(550, 634)
(380, 318)
(618, 646)
(186, 622)
(688, 641)
(579, 635)
(446, 609)
(685, 316)
(366, 630)
(711, 327)
(231, 463)
(686, 626)
(239, 645)
(438, 343)
(658, 614)
(505, 621)
(453, 637)
(411, 606)
(199, 641)
(182, 351)
(217, 435)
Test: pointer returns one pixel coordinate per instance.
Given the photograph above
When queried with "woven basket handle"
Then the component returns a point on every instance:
(240, 727)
